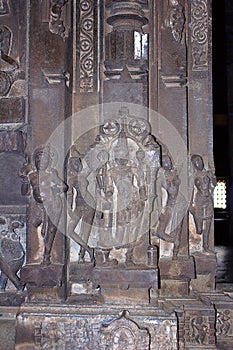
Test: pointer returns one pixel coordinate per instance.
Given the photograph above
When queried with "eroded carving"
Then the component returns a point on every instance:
(11, 253)
(4, 7)
(199, 34)
(223, 322)
(116, 180)
(56, 25)
(68, 334)
(123, 333)
(199, 330)
(172, 209)
(176, 20)
(41, 181)
(81, 204)
(202, 207)
(9, 71)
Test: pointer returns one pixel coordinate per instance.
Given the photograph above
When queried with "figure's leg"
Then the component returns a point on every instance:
(3, 281)
(83, 245)
(199, 225)
(177, 239)
(9, 272)
(48, 241)
(206, 231)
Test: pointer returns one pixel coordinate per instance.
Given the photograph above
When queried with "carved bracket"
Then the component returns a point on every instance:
(171, 81)
(54, 77)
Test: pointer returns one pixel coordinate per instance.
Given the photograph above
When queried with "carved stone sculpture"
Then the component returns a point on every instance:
(43, 183)
(202, 207)
(116, 180)
(56, 25)
(176, 19)
(9, 71)
(173, 210)
(81, 208)
(4, 7)
(11, 253)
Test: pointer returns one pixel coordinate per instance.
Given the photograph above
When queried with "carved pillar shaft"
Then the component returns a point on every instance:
(126, 52)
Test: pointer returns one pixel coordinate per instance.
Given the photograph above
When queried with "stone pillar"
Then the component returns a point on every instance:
(126, 53)
(44, 273)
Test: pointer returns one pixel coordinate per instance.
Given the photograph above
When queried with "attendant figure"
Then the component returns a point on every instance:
(202, 207)
(46, 187)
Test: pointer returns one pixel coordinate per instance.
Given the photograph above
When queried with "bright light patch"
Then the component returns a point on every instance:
(220, 195)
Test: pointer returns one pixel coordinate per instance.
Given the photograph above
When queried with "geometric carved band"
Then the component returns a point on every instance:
(86, 44)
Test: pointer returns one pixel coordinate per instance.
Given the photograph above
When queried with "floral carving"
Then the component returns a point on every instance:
(199, 34)
(86, 45)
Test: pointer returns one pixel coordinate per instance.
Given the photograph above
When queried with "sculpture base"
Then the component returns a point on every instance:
(44, 282)
(12, 298)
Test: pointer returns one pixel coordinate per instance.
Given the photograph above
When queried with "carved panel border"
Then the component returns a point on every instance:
(199, 34)
(86, 44)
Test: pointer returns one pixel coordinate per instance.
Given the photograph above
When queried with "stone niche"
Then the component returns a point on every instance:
(106, 222)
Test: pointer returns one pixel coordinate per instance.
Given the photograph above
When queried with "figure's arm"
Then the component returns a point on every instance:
(58, 182)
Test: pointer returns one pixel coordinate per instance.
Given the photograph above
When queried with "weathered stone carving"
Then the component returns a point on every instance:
(223, 322)
(121, 166)
(176, 19)
(68, 334)
(199, 330)
(9, 71)
(202, 199)
(86, 8)
(199, 34)
(123, 333)
(81, 204)
(43, 183)
(56, 25)
(172, 210)
(4, 7)
(11, 253)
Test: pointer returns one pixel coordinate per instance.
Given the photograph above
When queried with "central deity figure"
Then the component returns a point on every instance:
(123, 189)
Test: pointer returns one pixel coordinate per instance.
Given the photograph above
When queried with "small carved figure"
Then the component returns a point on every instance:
(47, 188)
(200, 330)
(173, 210)
(223, 323)
(202, 207)
(56, 25)
(11, 255)
(81, 205)
(176, 19)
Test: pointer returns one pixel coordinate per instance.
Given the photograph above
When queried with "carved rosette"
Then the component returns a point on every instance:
(86, 45)
(199, 34)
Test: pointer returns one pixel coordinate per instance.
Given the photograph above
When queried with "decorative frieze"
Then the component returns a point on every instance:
(86, 44)
(199, 34)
